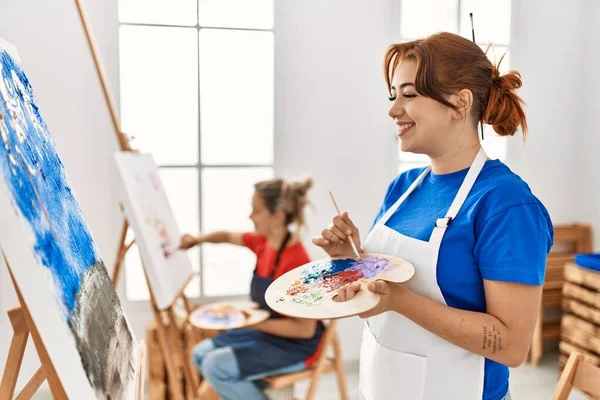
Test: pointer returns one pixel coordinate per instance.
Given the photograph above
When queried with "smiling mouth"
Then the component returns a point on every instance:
(403, 128)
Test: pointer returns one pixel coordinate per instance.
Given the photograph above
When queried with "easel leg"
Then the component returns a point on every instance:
(15, 354)
(320, 366)
(189, 309)
(120, 254)
(172, 376)
(33, 385)
(191, 379)
(58, 392)
(339, 368)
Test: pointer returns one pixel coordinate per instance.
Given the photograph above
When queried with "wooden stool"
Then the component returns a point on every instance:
(578, 373)
(281, 387)
(324, 364)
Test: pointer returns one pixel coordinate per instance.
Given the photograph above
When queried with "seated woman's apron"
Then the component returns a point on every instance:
(258, 352)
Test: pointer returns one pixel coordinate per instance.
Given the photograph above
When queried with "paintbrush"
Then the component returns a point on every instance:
(168, 250)
(473, 35)
(349, 236)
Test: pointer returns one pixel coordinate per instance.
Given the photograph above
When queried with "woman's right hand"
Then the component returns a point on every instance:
(334, 238)
(188, 241)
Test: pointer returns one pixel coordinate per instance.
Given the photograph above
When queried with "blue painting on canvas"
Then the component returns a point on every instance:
(32, 170)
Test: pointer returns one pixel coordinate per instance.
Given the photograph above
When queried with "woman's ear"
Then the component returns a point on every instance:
(280, 215)
(464, 102)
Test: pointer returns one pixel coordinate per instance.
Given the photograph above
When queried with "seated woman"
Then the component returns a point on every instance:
(235, 361)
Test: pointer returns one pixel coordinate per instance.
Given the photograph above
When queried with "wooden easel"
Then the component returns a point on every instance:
(168, 331)
(166, 321)
(17, 315)
(23, 325)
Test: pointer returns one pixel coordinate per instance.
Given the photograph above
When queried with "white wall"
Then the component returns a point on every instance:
(588, 166)
(549, 57)
(561, 84)
(331, 109)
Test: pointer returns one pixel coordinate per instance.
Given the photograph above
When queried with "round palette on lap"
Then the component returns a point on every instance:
(228, 315)
(308, 291)
(239, 304)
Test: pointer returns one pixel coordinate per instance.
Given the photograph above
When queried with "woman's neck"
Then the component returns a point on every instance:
(455, 160)
(457, 152)
(276, 238)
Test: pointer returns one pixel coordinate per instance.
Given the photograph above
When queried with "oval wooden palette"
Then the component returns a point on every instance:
(228, 315)
(309, 290)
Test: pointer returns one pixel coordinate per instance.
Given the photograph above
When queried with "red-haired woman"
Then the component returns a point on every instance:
(476, 234)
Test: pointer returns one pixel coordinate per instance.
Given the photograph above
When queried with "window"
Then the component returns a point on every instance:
(196, 82)
(491, 18)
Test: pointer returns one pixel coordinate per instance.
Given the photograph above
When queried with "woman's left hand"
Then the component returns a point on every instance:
(385, 290)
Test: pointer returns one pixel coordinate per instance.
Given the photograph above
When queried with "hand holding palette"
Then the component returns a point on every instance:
(308, 291)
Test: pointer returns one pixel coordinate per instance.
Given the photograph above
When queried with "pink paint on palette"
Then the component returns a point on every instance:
(329, 276)
(219, 316)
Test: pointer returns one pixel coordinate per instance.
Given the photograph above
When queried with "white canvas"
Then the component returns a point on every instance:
(52, 255)
(148, 212)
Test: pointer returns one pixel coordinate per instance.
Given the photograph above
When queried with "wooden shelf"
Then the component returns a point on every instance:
(551, 330)
(569, 240)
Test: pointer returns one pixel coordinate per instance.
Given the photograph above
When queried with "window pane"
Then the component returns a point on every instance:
(420, 18)
(166, 12)
(193, 288)
(226, 270)
(159, 91)
(491, 19)
(236, 87)
(226, 205)
(136, 287)
(236, 13)
(181, 186)
(227, 196)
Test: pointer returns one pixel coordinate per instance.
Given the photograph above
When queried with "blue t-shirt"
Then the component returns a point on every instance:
(502, 232)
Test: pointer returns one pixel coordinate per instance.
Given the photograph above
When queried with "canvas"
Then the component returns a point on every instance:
(52, 254)
(156, 232)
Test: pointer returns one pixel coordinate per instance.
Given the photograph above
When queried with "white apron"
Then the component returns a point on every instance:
(399, 359)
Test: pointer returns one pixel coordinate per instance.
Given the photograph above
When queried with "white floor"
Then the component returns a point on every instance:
(526, 382)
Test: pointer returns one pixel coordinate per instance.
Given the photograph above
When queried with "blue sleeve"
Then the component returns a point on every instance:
(513, 244)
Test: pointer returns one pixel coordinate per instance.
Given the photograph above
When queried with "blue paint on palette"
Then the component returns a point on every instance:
(34, 173)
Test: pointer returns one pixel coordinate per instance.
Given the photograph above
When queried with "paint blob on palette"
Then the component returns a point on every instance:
(222, 315)
(228, 315)
(330, 275)
(308, 291)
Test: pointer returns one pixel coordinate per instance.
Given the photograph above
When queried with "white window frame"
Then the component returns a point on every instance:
(199, 166)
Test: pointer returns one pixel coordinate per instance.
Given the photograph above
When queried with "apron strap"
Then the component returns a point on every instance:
(465, 188)
(288, 236)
